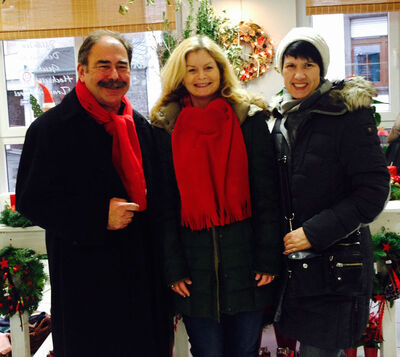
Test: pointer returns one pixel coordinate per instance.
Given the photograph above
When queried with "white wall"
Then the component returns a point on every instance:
(276, 17)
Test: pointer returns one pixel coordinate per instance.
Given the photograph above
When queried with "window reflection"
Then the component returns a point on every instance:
(48, 61)
(13, 154)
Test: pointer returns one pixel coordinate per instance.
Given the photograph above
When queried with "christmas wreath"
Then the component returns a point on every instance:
(22, 280)
(262, 51)
(387, 255)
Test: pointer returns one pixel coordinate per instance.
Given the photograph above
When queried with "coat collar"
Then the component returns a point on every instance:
(166, 117)
(350, 95)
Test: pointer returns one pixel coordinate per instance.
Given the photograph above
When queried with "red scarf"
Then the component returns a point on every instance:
(211, 167)
(126, 153)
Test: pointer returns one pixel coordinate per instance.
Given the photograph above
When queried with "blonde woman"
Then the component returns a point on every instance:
(222, 248)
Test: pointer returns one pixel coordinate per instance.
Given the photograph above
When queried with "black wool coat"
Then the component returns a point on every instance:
(222, 262)
(339, 183)
(106, 295)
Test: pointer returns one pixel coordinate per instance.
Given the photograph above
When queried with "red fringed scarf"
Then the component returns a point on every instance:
(211, 167)
(126, 153)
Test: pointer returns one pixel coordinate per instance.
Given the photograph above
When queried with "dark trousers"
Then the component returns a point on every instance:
(234, 336)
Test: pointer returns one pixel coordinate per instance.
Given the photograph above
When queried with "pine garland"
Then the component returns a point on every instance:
(13, 218)
(22, 280)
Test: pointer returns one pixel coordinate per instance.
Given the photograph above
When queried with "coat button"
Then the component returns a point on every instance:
(305, 265)
(220, 235)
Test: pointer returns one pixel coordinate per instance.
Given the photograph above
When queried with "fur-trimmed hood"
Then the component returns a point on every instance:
(353, 92)
(166, 117)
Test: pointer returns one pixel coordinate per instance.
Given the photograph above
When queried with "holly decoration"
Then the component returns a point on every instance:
(13, 218)
(37, 111)
(22, 280)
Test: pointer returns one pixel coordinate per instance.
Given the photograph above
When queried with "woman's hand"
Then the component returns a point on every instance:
(295, 241)
(264, 279)
(181, 288)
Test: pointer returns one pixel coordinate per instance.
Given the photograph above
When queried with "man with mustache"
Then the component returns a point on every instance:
(87, 176)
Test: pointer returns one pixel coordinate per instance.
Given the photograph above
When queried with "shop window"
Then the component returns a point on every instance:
(360, 46)
(369, 50)
(48, 61)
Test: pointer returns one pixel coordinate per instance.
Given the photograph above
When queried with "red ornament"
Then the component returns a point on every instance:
(386, 247)
(29, 282)
(27, 298)
(16, 268)
(4, 263)
(395, 178)
(10, 287)
(9, 297)
(1, 305)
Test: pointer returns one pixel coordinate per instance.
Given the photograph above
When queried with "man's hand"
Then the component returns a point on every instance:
(295, 241)
(181, 288)
(120, 213)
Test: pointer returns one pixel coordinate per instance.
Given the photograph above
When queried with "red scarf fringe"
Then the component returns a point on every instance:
(126, 152)
(211, 166)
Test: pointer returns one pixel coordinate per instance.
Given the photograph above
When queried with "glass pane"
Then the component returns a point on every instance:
(367, 62)
(13, 154)
(50, 62)
(145, 85)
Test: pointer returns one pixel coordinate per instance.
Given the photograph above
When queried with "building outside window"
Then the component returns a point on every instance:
(365, 45)
(368, 51)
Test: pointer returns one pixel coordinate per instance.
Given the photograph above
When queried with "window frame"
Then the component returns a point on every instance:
(387, 116)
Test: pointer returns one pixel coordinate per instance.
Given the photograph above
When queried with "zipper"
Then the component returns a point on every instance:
(216, 267)
(348, 244)
(343, 265)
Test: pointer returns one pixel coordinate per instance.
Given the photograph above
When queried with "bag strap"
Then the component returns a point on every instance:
(282, 152)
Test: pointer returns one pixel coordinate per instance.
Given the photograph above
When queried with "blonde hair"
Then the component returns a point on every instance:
(174, 71)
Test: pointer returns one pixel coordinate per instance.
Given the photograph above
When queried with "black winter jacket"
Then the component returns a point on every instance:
(339, 183)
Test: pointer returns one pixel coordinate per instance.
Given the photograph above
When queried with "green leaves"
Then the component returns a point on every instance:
(13, 218)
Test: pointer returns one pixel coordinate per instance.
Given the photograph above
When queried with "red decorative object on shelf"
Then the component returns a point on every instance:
(12, 201)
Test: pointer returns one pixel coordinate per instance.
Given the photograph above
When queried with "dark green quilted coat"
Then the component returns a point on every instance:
(222, 262)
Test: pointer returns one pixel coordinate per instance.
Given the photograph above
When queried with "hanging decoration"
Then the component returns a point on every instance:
(22, 281)
(237, 40)
(262, 51)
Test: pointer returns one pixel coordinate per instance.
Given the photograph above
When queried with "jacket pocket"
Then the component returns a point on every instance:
(345, 269)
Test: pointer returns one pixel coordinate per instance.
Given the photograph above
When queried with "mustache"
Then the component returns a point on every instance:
(112, 84)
